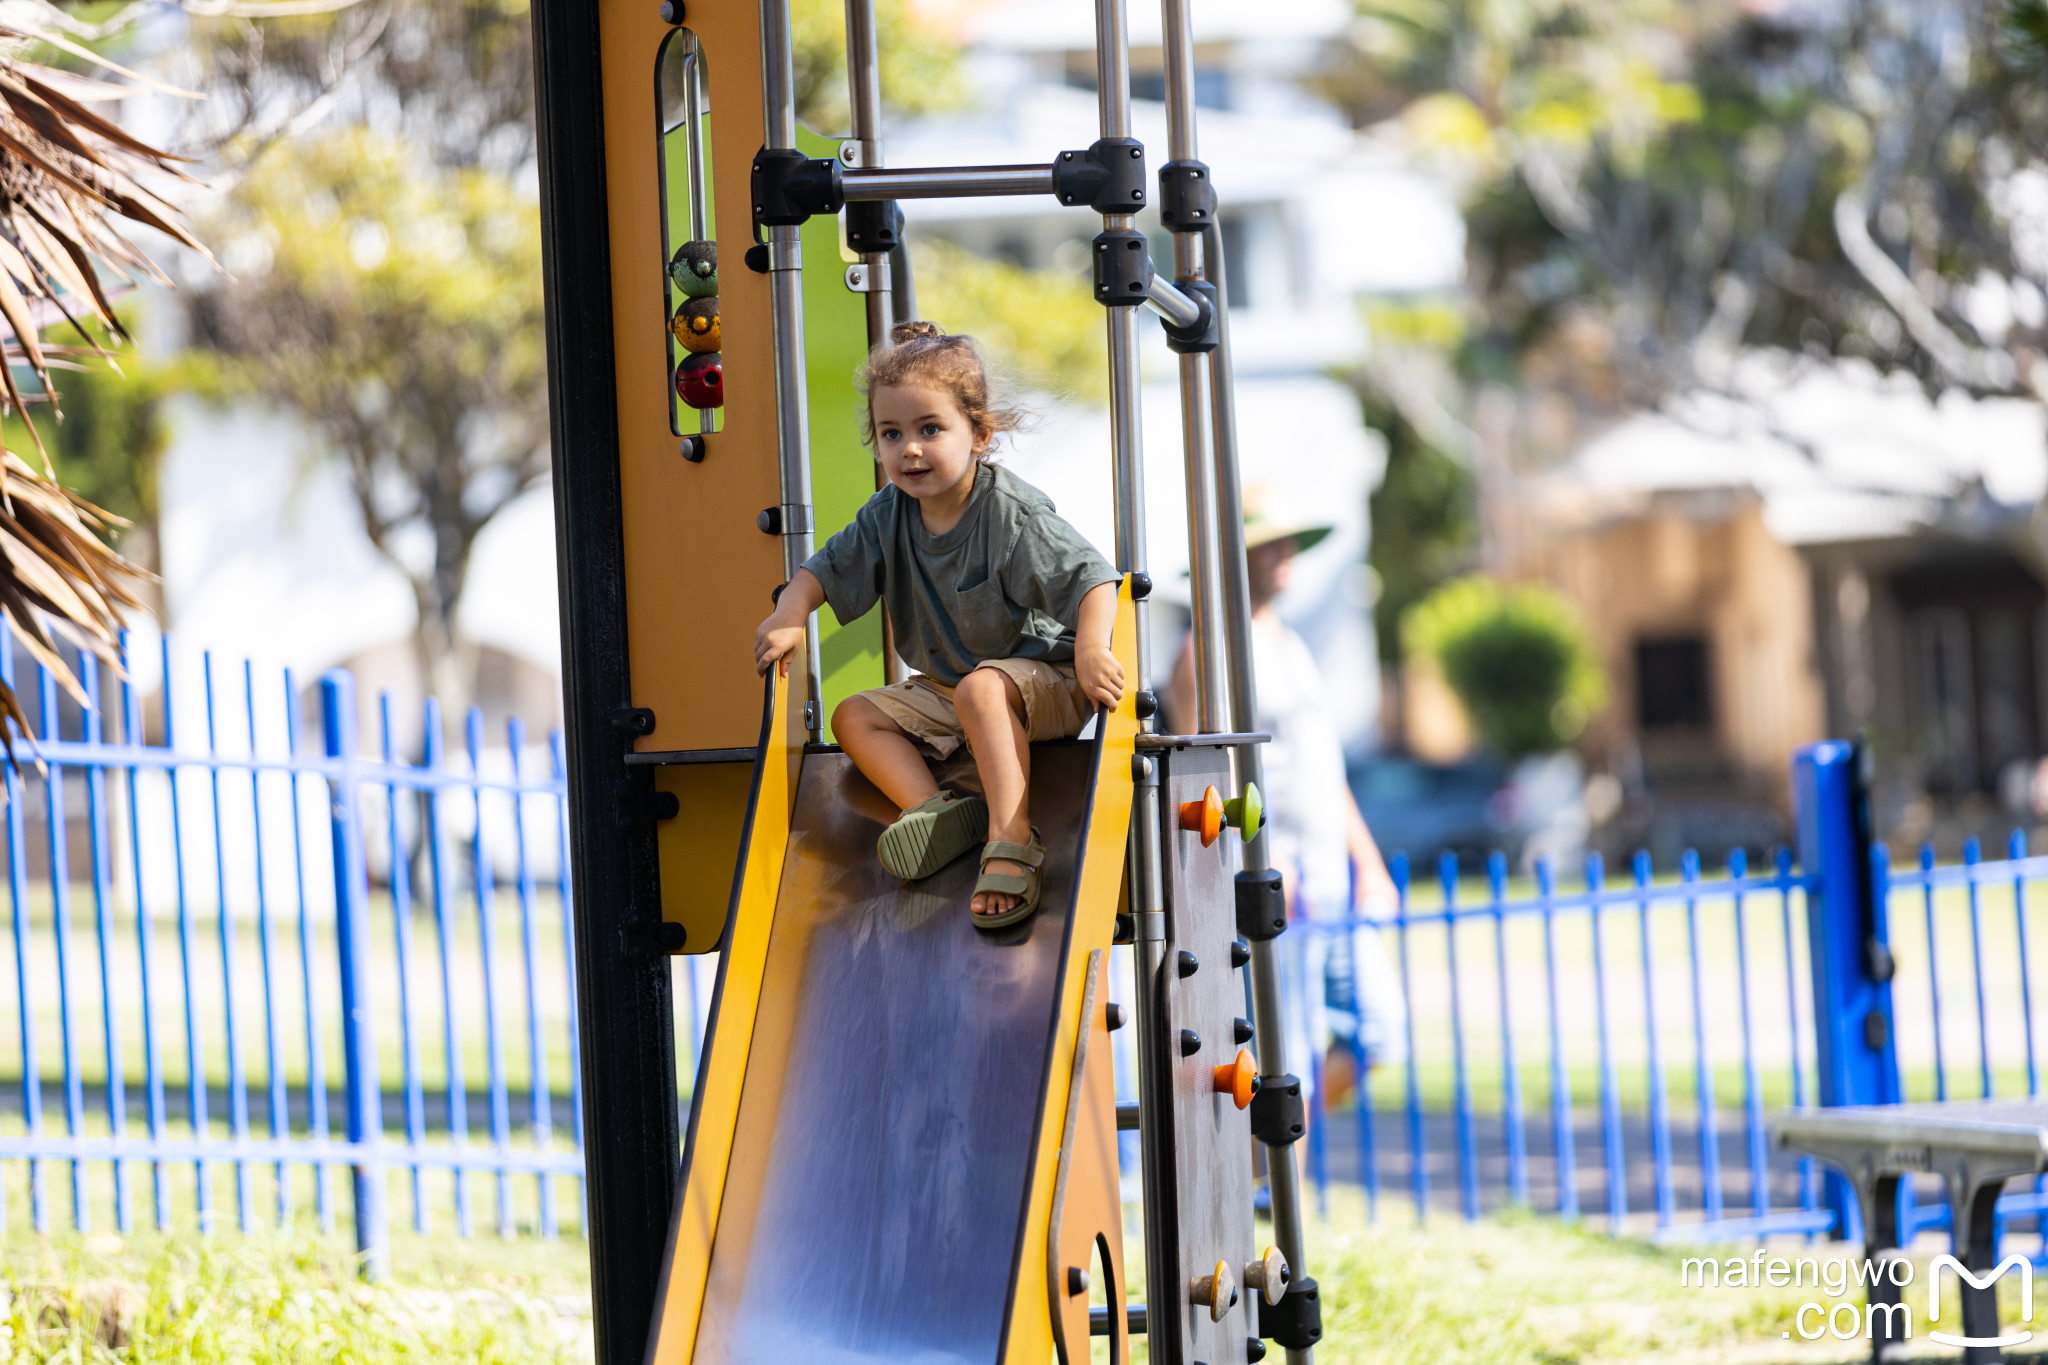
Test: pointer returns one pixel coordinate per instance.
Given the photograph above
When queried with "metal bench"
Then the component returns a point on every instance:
(1975, 1146)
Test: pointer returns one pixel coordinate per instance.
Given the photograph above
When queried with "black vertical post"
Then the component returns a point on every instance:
(631, 1138)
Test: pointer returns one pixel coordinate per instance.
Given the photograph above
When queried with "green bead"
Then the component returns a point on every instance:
(1246, 813)
(693, 285)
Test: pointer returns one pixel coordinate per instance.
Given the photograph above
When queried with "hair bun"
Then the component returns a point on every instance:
(914, 331)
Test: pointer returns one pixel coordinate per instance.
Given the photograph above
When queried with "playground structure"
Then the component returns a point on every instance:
(901, 1142)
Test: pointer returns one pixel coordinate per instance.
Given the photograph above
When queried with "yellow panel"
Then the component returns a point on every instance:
(1030, 1340)
(700, 847)
(698, 572)
(1088, 1219)
(715, 1108)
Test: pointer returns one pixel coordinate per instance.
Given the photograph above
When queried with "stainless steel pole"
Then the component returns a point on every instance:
(693, 142)
(1127, 459)
(864, 96)
(946, 182)
(904, 283)
(1205, 603)
(700, 198)
(1235, 692)
(786, 312)
(1268, 1011)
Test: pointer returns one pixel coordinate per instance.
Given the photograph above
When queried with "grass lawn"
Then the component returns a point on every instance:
(1512, 1289)
(283, 1300)
(1522, 1288)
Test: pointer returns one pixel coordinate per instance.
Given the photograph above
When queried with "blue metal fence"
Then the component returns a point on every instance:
(193, 926)
(230, 942)
(1615, 1046)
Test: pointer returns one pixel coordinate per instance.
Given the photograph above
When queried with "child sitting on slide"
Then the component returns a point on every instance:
(1000, 605)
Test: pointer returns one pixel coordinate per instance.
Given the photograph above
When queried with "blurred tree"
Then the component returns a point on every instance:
(920, 70)
(1652, 187)
(1517, 658)
(1042, 326)
(394, 298)
(1425, 522)
(110, 444)
(455, 77)
(396, 307)
(1425, 513)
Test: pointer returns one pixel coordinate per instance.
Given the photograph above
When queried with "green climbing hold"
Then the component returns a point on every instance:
(1247, 813)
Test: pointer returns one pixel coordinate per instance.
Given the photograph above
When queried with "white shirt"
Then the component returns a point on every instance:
(1305, 780)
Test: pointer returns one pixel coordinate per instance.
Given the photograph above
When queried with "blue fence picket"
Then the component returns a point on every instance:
(1510, 1074)
(401, 934)
(1560, 1074)
(1660, 1111)
(1418, 1165)
(1752, 1079)
(105, 932)
(56, 827)
(17, 885)
(443, 864)
(1610, 1080)
(1703, 1068)
(145, 942)
(1461, 1084)
(233, 878)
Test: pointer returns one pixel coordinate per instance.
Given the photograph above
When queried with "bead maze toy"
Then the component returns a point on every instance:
(901, 1141)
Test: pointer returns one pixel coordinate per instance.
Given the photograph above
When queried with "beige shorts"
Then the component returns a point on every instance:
(1055, 707)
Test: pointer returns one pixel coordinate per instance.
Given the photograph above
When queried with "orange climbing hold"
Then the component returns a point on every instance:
(1203, 817)
(1239, 1079)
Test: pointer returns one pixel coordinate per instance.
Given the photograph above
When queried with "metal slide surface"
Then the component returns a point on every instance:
(876, 1195)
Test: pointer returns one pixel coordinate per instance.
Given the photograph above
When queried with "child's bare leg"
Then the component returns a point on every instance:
(991, 711)
(882, 752)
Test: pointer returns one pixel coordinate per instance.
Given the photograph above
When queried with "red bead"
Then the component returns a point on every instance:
(700, 381)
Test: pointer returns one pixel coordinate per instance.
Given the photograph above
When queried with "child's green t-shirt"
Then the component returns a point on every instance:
(1005, 583)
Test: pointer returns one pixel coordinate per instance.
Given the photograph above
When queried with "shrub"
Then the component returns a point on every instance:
(1516, 657)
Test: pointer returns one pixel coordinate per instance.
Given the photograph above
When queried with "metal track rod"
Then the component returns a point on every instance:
(786, 314)
(945, 182)
(1171, 304)
(1098, 1320)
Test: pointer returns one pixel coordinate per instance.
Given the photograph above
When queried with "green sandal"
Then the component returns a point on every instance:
(1024, 888)
(931, 834)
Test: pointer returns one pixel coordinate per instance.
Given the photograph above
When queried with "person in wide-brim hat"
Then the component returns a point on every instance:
(1316, 837)
(1262, 527)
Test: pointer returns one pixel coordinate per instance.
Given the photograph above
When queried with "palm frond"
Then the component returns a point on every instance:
(67, 173)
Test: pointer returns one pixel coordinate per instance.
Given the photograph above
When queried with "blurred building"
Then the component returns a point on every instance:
(1821, 551)
(1314, 220)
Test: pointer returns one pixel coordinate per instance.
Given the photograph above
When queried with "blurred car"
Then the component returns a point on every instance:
(1425, 809)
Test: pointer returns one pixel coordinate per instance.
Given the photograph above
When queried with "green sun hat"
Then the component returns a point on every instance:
(1263, 525)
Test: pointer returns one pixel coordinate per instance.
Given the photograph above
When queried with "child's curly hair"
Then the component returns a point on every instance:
(924, 353)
